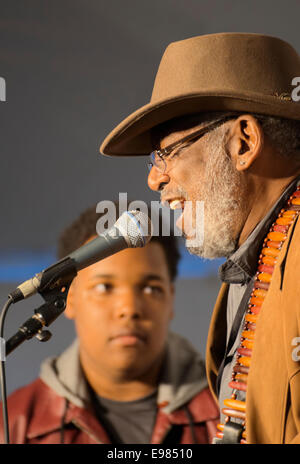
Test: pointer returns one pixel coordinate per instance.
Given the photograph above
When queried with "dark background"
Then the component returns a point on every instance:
(73, 70)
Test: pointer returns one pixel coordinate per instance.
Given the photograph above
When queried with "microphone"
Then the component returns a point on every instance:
(133, 229)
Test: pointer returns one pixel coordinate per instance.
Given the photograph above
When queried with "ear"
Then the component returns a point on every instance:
(70, 307)
(245, 141)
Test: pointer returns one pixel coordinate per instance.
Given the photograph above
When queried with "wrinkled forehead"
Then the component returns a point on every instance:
(183, 123)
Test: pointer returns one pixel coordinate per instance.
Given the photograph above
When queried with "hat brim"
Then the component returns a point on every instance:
(132, 137)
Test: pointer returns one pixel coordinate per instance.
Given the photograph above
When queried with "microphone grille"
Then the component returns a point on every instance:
(136, 228)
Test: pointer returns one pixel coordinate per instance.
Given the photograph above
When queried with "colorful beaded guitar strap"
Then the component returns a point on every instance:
(233, 432)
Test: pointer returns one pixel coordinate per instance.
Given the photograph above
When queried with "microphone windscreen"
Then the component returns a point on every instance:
(136, 228)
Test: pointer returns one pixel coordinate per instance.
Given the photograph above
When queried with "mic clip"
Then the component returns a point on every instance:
(54, 288)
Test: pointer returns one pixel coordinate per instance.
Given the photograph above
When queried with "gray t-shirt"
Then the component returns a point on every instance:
(129, 422)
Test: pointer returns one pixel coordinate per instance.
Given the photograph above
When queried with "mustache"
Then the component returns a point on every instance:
(174, 193)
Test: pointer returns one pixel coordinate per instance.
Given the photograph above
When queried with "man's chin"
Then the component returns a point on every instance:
(201, 252)
(208, 252)
(133, 369)
(195, 247)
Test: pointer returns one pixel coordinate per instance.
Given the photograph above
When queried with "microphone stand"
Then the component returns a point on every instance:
(54, 289)
(43, 316)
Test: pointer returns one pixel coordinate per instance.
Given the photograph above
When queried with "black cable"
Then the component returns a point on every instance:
(2, 372)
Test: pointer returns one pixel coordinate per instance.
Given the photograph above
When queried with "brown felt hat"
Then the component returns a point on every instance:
(216, 72)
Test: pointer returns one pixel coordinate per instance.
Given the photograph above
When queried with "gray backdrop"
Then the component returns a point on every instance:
(73, 70)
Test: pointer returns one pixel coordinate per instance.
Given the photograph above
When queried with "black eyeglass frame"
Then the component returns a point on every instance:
(165, 152)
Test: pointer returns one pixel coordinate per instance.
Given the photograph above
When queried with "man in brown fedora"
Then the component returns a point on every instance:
(225, 131)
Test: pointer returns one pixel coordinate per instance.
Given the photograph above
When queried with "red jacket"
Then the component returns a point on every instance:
(56, 408)
(37, 415)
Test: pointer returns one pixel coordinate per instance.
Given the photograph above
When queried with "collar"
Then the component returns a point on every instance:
(241, 266)
(183, 375)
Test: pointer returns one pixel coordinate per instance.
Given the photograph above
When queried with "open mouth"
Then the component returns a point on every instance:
(177, 203)
(184, 220)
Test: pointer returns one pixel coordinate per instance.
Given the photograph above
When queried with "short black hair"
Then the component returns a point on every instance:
(84, 227)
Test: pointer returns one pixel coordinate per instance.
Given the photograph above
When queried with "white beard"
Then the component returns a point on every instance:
(223, 193)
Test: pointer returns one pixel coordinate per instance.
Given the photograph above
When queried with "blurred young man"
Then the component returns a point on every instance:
(126, 379)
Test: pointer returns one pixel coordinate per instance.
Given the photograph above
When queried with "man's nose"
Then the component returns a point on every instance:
(130, 306)
(157, 179)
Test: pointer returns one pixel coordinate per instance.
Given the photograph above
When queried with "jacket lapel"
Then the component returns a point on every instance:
(216, 340)
(268, 382)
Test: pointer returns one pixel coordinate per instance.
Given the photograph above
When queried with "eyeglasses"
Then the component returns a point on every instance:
(158, 157)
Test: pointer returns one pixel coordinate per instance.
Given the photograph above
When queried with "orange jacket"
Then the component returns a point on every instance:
(273, 389)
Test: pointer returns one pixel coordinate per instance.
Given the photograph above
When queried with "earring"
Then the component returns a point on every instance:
(242, 162)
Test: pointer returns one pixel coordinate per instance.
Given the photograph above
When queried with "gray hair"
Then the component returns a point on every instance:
(284, 134)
